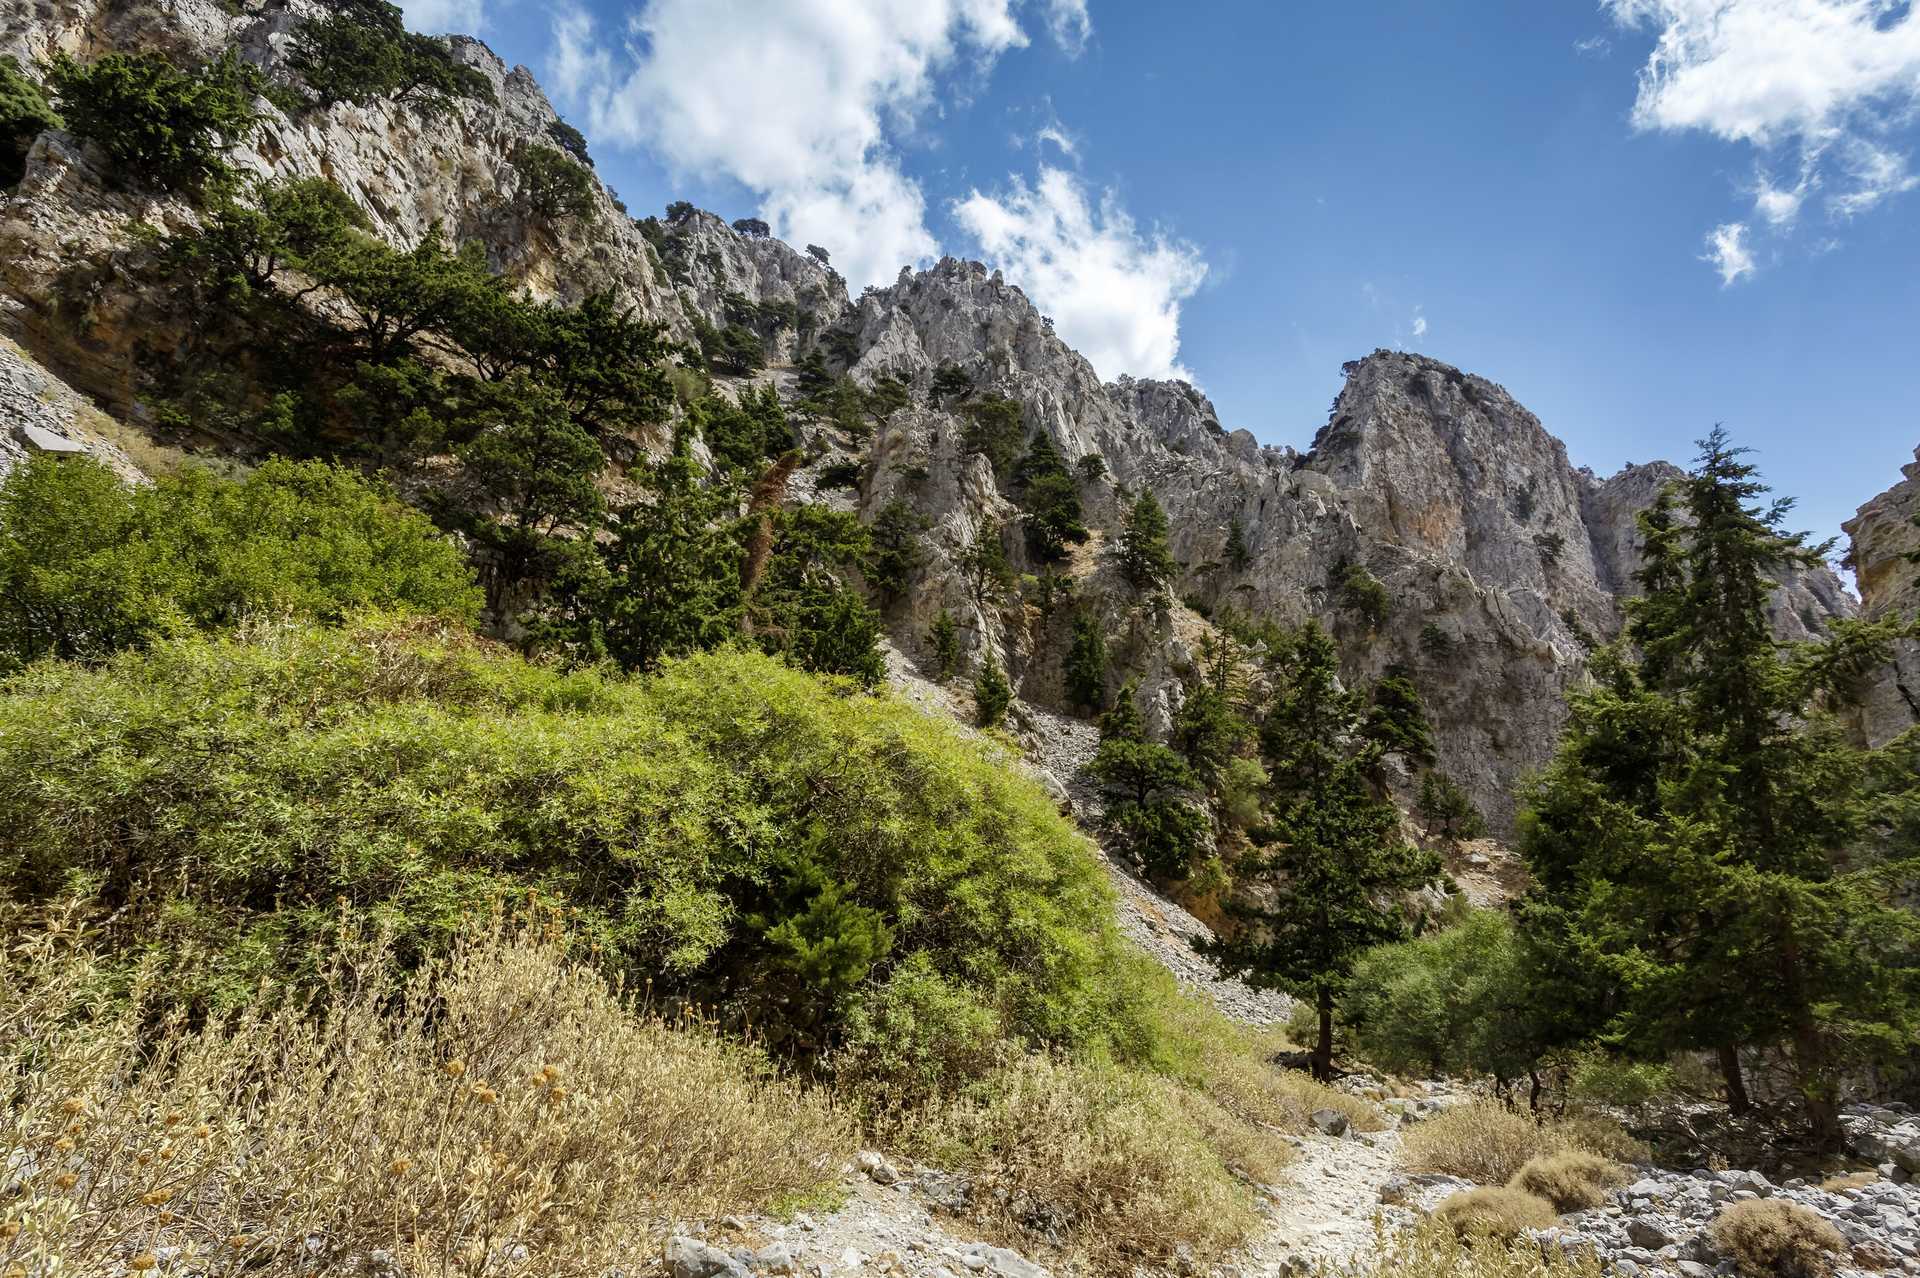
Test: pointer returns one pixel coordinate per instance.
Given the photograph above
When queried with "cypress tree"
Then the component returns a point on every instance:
(1144, 557)
(1319, 891)
(1708, 833)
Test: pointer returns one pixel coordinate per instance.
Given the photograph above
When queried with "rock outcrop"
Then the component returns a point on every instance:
(1884, 542)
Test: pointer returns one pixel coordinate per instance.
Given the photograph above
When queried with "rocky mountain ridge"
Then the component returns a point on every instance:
(1502, 562)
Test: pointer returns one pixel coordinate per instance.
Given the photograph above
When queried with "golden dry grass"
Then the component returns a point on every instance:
(1488, 1143)
(502, 1111)
(1770, 1238)
(1433, 1250)
(1111, 1167)
(1572, 1180)
(1494, 1213)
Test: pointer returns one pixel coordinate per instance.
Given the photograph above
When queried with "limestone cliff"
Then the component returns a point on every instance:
(1884, 541)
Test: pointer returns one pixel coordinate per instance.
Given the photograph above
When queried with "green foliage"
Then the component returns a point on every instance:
(1151, 815)
(752, 227)
(896, 548)
(161, 125)
(1397, 720)
(1209, 729)
(820, 255)
(1364, 595)
(950, 381)
(25, 114)
(1318, 892)
(992, 694)
(1450, 1003)
(743, 437)
(1086, 665)
(1708, 843)
(1446, 807)
(89, 565)
(944, 635)
(393, 297)
(734, 831)
(1144, 558)
(239, 250)
(804, 606)
(994, 430)
(1053, 519)
(1235, 554)
(667, 583)
(1092, 468)
(1436, 643)
(734, 349)
(570, 140)
(986, 565)
(553, 186)
(360, 50)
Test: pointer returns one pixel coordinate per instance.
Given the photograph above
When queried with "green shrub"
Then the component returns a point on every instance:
(1365, 595)
(552, 185)
(1571, 1180)
(1770, 1238)
(159, 124)
(224, 795)
(992, 694)
(1494, 1213)
(24, 115)
(1449, 1002)
(89, 565)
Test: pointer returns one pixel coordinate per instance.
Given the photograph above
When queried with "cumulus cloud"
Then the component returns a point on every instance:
(799, 103)
(439, 17)
(1825, 81)
(1728, 253)
(1114, 291)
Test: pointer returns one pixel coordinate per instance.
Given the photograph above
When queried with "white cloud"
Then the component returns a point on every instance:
(1057, 135)
(1419, 324)
(1728, 252)
(1114, 292)
(797, 102)
(1070, 25)
(440, 17)
(1593, 47)
(1823, 80)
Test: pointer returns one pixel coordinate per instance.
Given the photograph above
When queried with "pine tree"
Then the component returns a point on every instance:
(1047, 493)
(992, 694)
(945, 637)
(1321, 891)
(1708, 833)
(896, 548)
(1086, 664)
(1397, 719)
(1144, 557)
(1236, 554)
(1445, 806)
(1151, 814)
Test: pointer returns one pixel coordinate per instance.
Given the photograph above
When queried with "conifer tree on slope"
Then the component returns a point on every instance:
(1708, 837)
(1319, 890)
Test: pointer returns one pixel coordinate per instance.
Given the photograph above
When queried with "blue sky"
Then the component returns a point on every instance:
(1640, 216)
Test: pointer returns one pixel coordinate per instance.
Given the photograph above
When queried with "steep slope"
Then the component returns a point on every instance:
(1502, 562)
(1884, 540)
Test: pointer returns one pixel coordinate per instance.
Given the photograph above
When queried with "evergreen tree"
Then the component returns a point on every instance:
(992, 694)
(896, 548)
(1144, 557)
(1086, 664)
(1321, 890)
(1445, 806)
(945, 637)
(1053, 518)
(159, 124)
(1707, 837)
(1398, 721)
(950, 381)
(360, 50)
(985, 563)
(804, 605)
(672, 570)
(1151, 817)
(1236, 554)
(1209, 729)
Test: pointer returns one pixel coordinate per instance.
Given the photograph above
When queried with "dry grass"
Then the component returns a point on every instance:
(1849, 1180)
(501, 1112)
(1494, 1213)
(1111, 1167)
(1769, 1238)
(1489, 1144)
(1572, 1180)
(1434, 1251)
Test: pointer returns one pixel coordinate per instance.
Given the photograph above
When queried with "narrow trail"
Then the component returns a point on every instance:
(1325, 1205)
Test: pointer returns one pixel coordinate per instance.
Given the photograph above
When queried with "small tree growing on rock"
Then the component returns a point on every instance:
(161, 125)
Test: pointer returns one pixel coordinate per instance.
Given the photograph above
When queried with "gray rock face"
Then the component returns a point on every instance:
(1882, 536)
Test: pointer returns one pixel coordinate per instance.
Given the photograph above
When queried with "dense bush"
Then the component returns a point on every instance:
(24, 115)
(1499, 1213)
(1572, 1180)
(158, 123)
(1451, 1002)
(89, 564)
(722, 827)
(1769, 1238)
